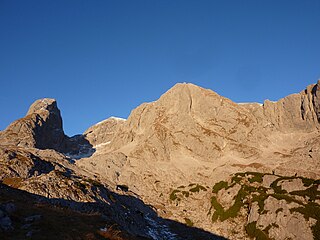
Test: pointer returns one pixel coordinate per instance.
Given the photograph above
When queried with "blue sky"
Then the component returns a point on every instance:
(104, 58)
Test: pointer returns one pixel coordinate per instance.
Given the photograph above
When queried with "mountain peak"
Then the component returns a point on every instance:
(48, 104)
(40, 128)
(187, 86)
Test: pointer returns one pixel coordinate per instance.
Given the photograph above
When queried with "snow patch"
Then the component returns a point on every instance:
(101, 144)
(85, 151)
(114, 118)
(260, 104)
(118, 118)
(159, 231)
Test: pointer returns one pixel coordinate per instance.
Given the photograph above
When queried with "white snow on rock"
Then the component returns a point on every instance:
(112, 117)
(159, 231)
(243, 103)
(101, 144)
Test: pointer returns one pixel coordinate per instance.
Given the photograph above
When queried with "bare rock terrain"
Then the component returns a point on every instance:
(191, 162)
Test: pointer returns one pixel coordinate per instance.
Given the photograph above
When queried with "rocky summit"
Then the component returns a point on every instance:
(191, 165)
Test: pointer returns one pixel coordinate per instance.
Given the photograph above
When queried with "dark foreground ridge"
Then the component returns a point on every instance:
(24, 215)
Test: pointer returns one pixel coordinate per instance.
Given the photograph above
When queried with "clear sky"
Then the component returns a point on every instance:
(103, 58)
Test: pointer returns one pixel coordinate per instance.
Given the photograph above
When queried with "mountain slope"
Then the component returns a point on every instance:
(192, 135)
(190, 165)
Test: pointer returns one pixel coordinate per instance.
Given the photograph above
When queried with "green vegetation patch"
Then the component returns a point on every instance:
(254, 232)
(218, 209)
(197, 188)
(241, 174)
(233, 211)
(185, 193)
(286, 197)
(173, 195)
(236, 179)
(245, 196)
(277, 189)
(218, 186)
(311, 210)
(188, 222)
(308, 181)
(249, 194)
(260, 200)
(257, 177)
(312, 192)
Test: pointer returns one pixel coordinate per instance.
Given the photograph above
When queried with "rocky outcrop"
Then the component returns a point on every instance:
(244, 206)
(315, 91)
(171, 153)
(193, 135)
(17, 164)
(198, 121)
(46, 173)
(101, 133)
(191, 119)
(40, 128)
(28, 216)
(296, 112)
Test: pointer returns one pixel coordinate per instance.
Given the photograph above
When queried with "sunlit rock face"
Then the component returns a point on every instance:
(209, 165)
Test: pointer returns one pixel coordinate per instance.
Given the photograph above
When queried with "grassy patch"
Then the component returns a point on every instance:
(312, 192)
(260, 200)
(286, 197)
(311, 210)
(185, 193)
(257, 177)
(173, 195)
(231, 212)
(236, 179)
(276, 188)
(249, 194)
(218, 186)
(218, 209)
(188, 222)
(197, 188)
(254, 232)
(308, 181)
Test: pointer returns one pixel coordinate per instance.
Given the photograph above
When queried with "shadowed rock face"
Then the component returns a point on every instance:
(316, 99)
(40, 128)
